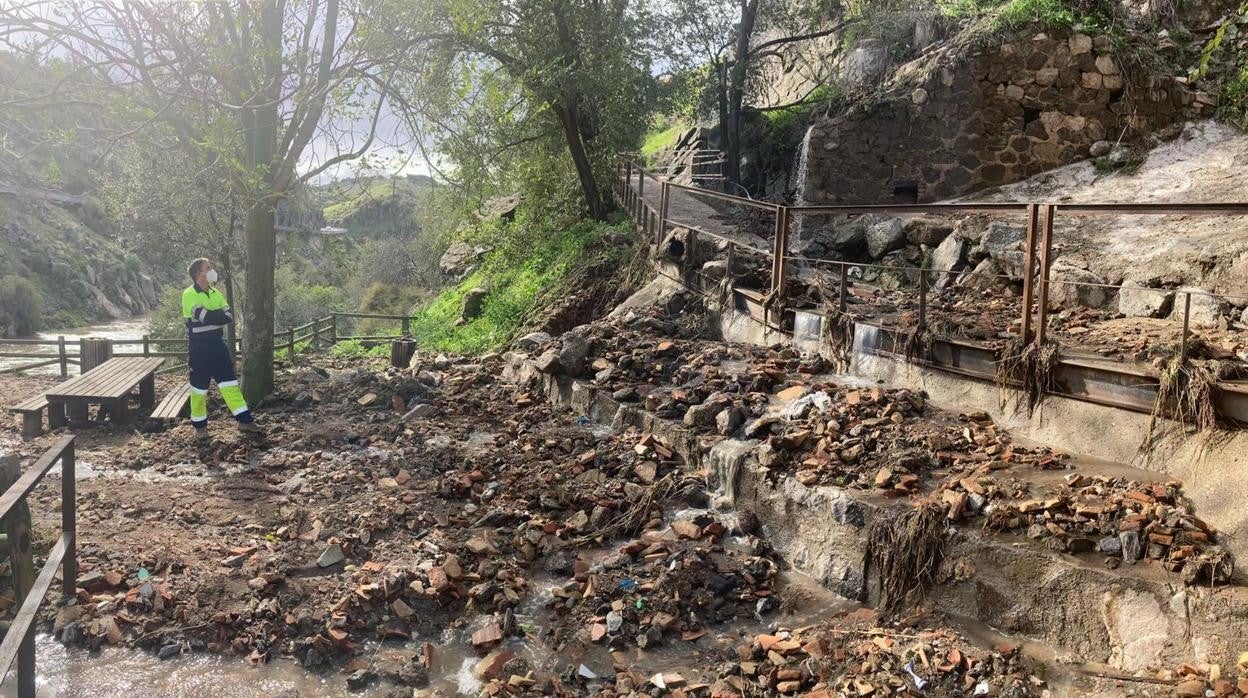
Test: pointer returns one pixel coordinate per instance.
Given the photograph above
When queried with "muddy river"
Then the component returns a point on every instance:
(128, 328)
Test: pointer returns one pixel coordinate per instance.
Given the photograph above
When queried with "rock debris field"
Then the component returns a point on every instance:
(437, 529)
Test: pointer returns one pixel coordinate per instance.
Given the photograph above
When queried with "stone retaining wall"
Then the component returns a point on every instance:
(950, 125)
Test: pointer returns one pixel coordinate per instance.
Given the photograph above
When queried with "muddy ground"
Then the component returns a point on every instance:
(402, 528)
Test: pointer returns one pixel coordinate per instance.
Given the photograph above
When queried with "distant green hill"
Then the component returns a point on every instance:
(376, 205)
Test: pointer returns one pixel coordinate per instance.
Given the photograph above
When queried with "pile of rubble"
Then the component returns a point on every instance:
(1123, 520)
(856, 657)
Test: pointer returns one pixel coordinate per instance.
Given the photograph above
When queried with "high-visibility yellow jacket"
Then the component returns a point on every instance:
(206, 313)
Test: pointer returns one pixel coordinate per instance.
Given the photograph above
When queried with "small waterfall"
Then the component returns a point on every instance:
(723, 475)
(799, 185)
(866, 338)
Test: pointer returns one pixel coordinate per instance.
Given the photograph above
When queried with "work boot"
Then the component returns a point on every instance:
(202, 436)
(250, 428)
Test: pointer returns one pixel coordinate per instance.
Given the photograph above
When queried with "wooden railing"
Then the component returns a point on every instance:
(31, 591)
(312, 336)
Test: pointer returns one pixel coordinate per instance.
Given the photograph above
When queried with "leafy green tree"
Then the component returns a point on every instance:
(496, 78)
(273, 91)
(21, 306)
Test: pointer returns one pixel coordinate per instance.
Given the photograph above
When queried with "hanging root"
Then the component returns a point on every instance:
(1186, 391)
(905, 551)
(841, 334)
(1022, 364)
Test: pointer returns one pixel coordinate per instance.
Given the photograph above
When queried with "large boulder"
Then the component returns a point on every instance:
(1138, 300)
(921, 231)
(460, 259)
(1001, 238)
(474, 300)
(866, 64)
(949, 256)
(1072, 287)
(884, 237)
(574, 351)
(986, 276)
(1207, 311)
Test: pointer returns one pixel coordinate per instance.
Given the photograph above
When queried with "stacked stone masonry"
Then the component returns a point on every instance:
(999, 116)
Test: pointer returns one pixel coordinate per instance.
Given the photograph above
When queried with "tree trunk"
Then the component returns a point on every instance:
(736, 88)
(721, 88)
(261, 244)
(228, 267)
(260, 132)
(584, 170)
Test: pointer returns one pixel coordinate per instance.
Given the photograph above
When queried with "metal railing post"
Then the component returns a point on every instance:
(1046, 259)
(1187, 326)
(69, 525)
(1029, 265)
(922, 297)
(780, 248)
(842, 303)
(60, 350)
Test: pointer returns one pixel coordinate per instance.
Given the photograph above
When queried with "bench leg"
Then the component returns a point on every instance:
(77, 411)
(32, 424)
(120, 411)
(147, 393)
(56, 415)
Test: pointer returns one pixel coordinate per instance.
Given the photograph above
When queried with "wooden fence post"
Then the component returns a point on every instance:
(147, 346)
(93, 352)
(316, 334)
(333, 328)
(661, 228)
(69, 523)
(290, 345)
(17, 528)
(407, 327)
(60, 351)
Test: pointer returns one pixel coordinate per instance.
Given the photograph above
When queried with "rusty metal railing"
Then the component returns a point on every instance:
(30, 593)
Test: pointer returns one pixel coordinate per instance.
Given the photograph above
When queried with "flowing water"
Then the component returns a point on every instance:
(127, 328)
(799, 185)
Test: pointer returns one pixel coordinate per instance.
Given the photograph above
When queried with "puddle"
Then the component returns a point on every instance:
(69, 673)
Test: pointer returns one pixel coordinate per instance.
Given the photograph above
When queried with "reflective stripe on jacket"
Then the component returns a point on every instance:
(206, 313)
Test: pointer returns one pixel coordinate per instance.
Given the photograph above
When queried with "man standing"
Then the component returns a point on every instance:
(206, 314)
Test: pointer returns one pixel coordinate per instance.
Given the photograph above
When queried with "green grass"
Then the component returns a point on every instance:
(1003, 16)
(1234, 98)
(354, 348)
(527, 271)
(654, 141)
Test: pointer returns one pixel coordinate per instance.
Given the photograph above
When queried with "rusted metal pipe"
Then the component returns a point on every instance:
(1029, 264)
(1046, 259)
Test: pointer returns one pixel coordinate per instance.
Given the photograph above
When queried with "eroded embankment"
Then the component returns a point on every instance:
(1111, 564)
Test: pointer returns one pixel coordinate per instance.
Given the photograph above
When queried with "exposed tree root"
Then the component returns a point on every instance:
(905, 551)
(1186, 392)
(1023, 367)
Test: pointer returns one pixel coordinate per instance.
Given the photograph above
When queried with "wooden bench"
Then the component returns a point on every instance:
(32, 416)
(174, 405)
(108, 385)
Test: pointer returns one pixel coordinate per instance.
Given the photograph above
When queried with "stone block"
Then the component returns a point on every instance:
(1137, 300)
(1079, 44)
(1207, 311)
(1092, 81)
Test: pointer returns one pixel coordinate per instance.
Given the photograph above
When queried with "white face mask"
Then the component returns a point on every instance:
(212, 276)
